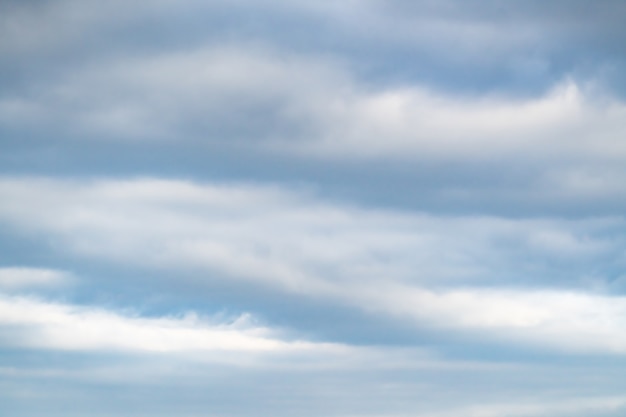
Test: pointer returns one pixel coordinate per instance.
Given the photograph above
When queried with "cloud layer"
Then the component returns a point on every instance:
(416, 266)
(287, 208)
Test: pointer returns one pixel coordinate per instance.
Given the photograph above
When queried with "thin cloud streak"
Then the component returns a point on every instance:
(15, 278)
(45, 325)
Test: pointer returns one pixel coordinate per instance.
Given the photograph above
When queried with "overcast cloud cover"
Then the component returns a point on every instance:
(344, 209)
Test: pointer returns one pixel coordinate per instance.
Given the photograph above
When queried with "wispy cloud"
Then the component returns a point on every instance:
(39, 324)
(566, 407)
(14, 278)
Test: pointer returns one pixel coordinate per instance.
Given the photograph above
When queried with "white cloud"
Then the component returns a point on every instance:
(266, 233)
(566, 321)
(38, 324)
(408, 266)
(414, 122)
(12, 278)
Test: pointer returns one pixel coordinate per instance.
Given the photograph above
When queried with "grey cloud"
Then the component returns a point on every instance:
(551, 152)
(323, 101)
(529, 46)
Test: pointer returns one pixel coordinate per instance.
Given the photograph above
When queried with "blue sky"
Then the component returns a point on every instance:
(342, 209)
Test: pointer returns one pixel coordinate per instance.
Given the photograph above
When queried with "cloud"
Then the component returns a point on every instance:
(197, 94)
(12, 278)
(566, 407)
(557, 147)
(168, 221)
(38, 324)
(424, 198)
(566, 321)
(556, 150)
(413, 122)
(472, 27)
(311, 105)
(512, 279)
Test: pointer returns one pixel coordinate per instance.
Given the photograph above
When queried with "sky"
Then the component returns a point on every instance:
(301, 209)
